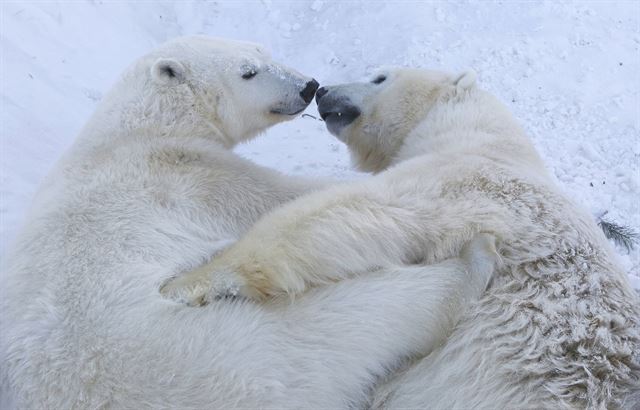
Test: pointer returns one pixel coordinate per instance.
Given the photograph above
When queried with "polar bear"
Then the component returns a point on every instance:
(560, 325)
(150, 189)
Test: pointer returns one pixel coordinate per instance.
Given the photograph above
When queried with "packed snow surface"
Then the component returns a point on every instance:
(567, 70)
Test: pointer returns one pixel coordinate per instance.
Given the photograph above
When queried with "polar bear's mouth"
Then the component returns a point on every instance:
(337, 115)
(282, 112)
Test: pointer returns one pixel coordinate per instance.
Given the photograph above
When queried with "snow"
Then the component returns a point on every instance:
(567, 70)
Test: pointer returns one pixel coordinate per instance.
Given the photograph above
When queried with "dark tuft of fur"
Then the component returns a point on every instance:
(621, 235)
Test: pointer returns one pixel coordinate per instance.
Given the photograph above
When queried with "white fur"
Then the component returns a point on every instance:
(149, 190)
(560, 326)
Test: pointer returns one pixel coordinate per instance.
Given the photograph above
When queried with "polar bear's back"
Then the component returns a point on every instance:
(560, 320)
(559, 323)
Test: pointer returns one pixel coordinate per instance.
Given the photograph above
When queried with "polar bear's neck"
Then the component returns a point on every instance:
(478, 123)
(134, 109)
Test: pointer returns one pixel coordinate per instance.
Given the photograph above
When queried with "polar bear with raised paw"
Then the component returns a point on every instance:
(560, 326)
(151, 189)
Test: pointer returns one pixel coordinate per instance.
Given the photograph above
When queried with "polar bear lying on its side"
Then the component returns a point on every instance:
(150, 189)
(560, 326)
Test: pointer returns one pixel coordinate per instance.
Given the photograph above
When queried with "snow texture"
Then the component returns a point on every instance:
(568, 71)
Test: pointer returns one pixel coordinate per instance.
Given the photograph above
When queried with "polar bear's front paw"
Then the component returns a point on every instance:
(226, 283)
(203, 285)
(190, 288)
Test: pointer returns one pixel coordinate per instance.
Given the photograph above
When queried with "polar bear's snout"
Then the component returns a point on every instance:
(309, 91)
(297, 102)
(336, 109)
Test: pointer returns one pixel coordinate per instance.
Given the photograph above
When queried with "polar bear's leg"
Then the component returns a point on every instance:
(367, 325)
(332, 234)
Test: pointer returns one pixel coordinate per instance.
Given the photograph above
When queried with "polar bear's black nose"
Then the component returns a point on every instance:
(321, 91)
(309, 91)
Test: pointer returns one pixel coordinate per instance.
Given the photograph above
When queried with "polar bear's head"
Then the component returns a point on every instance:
(374, 118)
(229, 89)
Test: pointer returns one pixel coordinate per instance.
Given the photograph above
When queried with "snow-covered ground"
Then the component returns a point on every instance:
(569, 72)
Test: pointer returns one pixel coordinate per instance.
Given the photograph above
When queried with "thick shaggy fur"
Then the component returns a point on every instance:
(150, 189)
(560, 326)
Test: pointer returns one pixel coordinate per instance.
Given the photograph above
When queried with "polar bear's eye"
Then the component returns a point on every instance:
(379, 79)
(249, 74)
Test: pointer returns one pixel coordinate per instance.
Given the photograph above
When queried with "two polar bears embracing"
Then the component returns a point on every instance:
(151, 190)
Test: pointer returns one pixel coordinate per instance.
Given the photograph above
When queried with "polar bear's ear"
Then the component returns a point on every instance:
(168, 71)
(465, 80)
